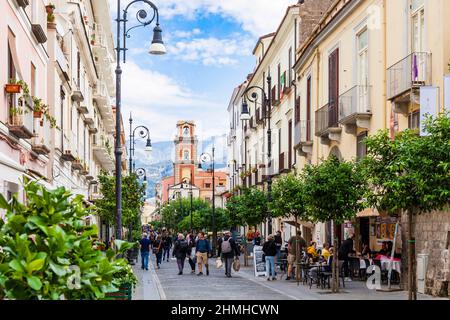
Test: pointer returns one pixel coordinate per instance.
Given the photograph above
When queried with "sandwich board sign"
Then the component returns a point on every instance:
(259, 264)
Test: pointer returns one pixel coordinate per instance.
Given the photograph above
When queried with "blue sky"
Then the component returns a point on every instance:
(209, 44)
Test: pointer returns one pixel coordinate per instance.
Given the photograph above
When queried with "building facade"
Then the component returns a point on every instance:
(65, 58)
(360, 66)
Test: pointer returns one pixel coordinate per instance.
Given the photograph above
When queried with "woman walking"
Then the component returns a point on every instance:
(270, 251)
(157, 250)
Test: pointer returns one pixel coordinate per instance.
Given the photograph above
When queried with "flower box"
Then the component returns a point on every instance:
(12, 88)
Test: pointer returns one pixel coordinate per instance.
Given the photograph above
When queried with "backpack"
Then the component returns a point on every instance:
(226, 246)
(183, 246)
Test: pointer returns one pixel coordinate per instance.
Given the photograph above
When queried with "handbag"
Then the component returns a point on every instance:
(219, 263)
(236, 265)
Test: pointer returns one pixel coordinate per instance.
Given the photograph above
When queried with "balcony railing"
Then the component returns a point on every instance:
(322, 121)
(40, 143)
(410, 72)
(20, 117)
(39, 20)
(354, 102)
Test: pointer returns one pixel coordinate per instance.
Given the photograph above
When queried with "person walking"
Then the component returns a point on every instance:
(191, 243)
(228, 249)
(278, 244)
(145, 251)
(180, 251)
(295, 243)
(167, 245)
(157, 250)
(202, 251)
(270, 251)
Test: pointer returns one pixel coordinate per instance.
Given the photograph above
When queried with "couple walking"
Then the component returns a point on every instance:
(183, 249)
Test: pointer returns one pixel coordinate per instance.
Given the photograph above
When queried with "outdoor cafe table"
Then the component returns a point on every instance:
(385, 261)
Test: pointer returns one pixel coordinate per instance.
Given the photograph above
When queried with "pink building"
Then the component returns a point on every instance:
(23, 54)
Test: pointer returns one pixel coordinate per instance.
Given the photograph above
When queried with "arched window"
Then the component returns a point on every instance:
(186, 131)
(186, 155)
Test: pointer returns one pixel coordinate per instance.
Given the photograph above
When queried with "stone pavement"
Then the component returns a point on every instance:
(165, 283)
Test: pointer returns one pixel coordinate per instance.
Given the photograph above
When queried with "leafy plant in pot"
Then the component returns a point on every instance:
(50, 8)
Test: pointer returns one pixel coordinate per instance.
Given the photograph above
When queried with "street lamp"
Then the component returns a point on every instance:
(206, 157)
(157, 47)
(143, 133)
(267, 107)
(190, 193)
(142, 174)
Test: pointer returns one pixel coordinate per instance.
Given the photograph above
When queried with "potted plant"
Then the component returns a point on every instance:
(50, 8)
(13, 87)
(93, 40)
(38, 108)
(50, 17)
(124, 280)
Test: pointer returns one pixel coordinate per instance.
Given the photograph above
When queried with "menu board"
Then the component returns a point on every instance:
(260, 265)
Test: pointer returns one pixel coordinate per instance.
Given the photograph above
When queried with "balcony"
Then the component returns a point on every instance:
(77, 165)
(39, 21)
(77, 95)
(83, 109)
(327, 127)
(407, 75)
(40, 143)
(98, 41)
(354, 108)
(303, 137)
(102, 148)
(62, 62)
(23, 3)
(20, 122)
(70, 150)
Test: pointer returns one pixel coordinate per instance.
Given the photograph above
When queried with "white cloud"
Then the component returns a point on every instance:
(212, 51)
(257, 17)
(158, 101)
(187, 34)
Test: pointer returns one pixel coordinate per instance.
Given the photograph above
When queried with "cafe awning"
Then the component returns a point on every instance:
(369, 212)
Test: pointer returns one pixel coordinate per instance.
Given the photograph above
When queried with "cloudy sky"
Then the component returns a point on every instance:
(209, 52)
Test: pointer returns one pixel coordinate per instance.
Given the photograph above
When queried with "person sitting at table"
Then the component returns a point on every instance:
(312, 250)
(326, 251)
(384, 250)
(366, 252)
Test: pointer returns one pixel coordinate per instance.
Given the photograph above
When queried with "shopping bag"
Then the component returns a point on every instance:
(219, 263)
(236, 265)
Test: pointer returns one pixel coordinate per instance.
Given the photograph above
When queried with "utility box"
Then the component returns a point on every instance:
(422, 264)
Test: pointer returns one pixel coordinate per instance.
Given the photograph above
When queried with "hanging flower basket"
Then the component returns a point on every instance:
(50, 8)
(12, 88)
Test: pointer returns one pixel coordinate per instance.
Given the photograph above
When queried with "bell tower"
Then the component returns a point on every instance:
(186, 142)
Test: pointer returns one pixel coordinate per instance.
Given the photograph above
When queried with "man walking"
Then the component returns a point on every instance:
(202, 251)
(191, 243)
(296, 244)
(145, 251)
(167, 245)
(228, 249)
(180, 251)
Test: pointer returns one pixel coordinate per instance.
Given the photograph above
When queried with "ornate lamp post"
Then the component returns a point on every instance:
(157, 47)
(190, 194)
(267, 107)
(143, 133)
(206, 157)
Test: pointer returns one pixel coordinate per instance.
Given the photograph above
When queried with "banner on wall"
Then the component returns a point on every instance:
(429, 102)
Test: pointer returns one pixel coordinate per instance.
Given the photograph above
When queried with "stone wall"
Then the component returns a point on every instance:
(311, 11)
(432, 232)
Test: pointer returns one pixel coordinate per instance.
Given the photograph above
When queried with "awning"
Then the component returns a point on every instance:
(299, 223)
(369, 212)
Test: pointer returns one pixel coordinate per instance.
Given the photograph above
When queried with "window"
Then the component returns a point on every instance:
(417, 24)
(363, 74)
(279, 82)
(207, 185)
(11, 66)
(33, 80)
(78, 70)
(361, 148)
(414, 120)
(297, 110)
(290, 144)
(289, 78)
(186, 131)
(333, 88)
(186, 155)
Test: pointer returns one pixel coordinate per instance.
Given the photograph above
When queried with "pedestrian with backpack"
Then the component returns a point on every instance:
(202, 252)
(180, 251)
(228, 249)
